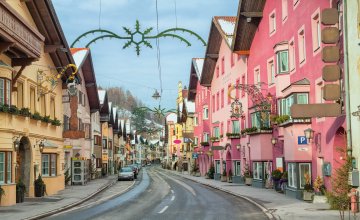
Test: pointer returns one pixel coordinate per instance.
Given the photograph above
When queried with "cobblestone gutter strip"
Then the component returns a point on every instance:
(54, 211)
(266, 211)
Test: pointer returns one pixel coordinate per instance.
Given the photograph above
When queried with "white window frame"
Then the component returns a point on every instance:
(216, 132)
(205, 113)
(237, 168)
(235, 129)
(217, 167)
(45, 164)
(206, 137)
(292, 174)
(278, 59)
(258, 170)
(301, 175)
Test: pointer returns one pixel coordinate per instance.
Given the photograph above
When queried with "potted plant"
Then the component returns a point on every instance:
(319, 189)
(2, 193)
(25, 112)
(283, 181)
(13, 110)
(36, 116)
(4, 108)
(20, 191)
(276, 176)
(40, 187)
(230, 174)
(56, 122)
(223, 176)
(308, 190)
(248, 176)
(46, 119)
(211, 172)
(214, 139)
(205, 143)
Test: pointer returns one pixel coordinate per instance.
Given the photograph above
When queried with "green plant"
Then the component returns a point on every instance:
(55, 122)
(36, 116)
(221, 136)
(284, 176)
(40, 187)
(195, 168)
(67, 176)
(20, 186)
(211, 171)
(338, 197)
(247, 172)
(307, 186)
(25, 112)
(249, 130)
(266, 128)
(13, 110)
(46, 119)
(232, 135)
(318, 183)
(4, 108)
(276, 175)
(214, 139)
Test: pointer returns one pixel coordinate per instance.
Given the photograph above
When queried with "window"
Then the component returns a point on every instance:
(213, 103)
(80, 125)
(260, 119)
(236, 127)
(43, 105)
(104, 143)
(206, 113)
(292, 175)
(32, 100)
(284, 7)
(237, 168)
(5, 91)
(66, 123)
(222, 65)
(20, 95)
(48, 164)
(292, 62)
(316, 32)
(216, 132)
(302, 47)
(196, 140)
(258, 170)
(195, 121)
(222, 98)
(295, 98)
(243, 82)
(87, 131)
(257, 77)
(217, 71)
(217, 166)
(271, 72)
(5, 167)
(217, 101)
(304, 169)
(237, 90)
(340, 10)
(206, 137)
(52, 107)
(272, 23)
(282, 58)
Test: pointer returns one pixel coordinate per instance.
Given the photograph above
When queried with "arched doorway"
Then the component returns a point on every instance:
(228, 162)
(23, 160)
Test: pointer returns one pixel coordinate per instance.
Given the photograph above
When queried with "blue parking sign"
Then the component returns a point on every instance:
(302, 140)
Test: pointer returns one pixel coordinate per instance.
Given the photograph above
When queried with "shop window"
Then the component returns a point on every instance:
(48, 164)
(5, 91)
(217, 166)
(282, 59)
(292, 175)
(258, 170)
(304, 170)
(237, 168)
(5, 167)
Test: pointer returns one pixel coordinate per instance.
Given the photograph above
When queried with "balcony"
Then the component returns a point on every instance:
(233, 135)
(292, 121)
(255, 130)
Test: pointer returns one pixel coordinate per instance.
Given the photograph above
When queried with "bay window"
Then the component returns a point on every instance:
(5, 91)
(295, 98)
(48, 164)
(258, 170)
(260, 119)
(282, 58)
(5, 167)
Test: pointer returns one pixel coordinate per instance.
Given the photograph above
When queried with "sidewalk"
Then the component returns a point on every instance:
(34, 208)
(277, 204)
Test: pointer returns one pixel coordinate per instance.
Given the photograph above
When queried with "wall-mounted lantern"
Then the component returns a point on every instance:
(309, 133)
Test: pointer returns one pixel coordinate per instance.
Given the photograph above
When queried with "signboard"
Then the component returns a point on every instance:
(302, 149)
(177, 141)
(65, 98)
(217, 148)
(194, 155)
(302, 140)
(104, 158)
(68, 147)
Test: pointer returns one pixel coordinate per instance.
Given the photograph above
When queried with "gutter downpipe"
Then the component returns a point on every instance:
(347, 84)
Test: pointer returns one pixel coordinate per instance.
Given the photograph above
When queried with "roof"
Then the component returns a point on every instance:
(104, 106)
(220, 29)
(102, 94)
(83, 61)
(248, 19)
(301, 82)
(190, 106)
(198, 65)
(195, 74)
(171, 117)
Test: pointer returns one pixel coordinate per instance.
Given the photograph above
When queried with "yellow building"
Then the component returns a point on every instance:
(31, 144)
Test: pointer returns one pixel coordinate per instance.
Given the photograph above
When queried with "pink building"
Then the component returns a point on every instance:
(223, 69)
(272, 52)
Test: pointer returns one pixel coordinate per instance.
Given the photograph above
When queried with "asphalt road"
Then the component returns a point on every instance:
(160, 195)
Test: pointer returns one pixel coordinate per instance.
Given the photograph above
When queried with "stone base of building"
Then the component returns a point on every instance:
(238, 179)
(9, 198)
(217, 176)
(258, 183)
(294, 193)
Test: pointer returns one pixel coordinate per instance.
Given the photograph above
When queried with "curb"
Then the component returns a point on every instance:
(263, 208)
(52, 212)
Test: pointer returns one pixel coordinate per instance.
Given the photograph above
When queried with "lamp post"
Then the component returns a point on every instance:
(41, 146)
(16, 143)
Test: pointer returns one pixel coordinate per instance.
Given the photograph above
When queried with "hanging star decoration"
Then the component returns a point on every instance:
(158, 111)
(137, 37)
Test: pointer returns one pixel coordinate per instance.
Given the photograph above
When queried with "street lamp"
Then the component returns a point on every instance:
(309, 133)
(41, 145)
(274, 141)
(16, 142)
(156, 95)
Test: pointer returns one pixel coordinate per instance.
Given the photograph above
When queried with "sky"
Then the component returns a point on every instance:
(115, 66)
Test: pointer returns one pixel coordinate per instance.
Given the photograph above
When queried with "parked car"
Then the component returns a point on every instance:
(126, 173)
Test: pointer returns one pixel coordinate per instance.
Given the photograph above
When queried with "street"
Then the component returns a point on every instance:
(160, 195)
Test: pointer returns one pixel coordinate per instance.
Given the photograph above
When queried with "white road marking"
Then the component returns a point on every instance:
(163, 210)
(186, 186)
(172, 198)
(172, 191)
